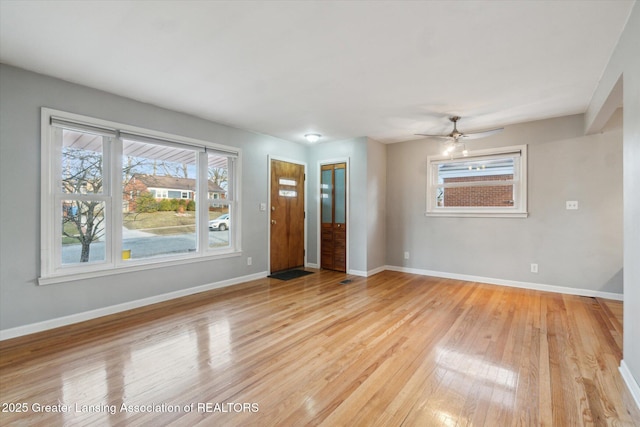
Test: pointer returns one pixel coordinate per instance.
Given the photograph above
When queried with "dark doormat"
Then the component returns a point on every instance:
(290, 274)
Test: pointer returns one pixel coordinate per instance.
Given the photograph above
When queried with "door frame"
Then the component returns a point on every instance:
(319, 207)
(297, 162)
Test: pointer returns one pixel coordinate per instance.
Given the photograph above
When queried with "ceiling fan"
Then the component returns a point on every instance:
(455, 139)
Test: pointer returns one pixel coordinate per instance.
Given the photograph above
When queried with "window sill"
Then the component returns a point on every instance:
(147, 265)
(479, 214)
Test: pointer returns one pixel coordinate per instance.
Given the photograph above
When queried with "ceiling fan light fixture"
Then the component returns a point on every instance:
(456, 137)
(453, 147)
(313, 137)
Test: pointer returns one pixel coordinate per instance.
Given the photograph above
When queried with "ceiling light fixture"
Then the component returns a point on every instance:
(312, 137)
(453, 147)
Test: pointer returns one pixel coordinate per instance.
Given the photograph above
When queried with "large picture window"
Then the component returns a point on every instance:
(482, 183)
(119, 197)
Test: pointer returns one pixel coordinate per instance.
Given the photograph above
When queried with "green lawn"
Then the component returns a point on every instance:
(164, 222)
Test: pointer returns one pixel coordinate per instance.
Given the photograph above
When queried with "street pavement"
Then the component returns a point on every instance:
(145, 245)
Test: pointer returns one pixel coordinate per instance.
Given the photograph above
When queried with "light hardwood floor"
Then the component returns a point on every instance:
(389, 350)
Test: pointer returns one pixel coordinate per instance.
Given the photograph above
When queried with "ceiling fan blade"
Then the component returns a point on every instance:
(432, 136)
(477, 135)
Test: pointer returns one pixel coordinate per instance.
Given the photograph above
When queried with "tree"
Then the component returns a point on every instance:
(82, 178)
(173, 169)
(218, 176)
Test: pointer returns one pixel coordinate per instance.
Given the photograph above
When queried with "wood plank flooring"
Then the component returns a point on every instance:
(393, 349)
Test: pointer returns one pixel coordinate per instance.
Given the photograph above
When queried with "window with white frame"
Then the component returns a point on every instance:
(119, 197)
(483, 183)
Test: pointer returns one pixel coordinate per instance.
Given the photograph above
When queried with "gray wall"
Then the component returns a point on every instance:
(22, 301)
(625, 62)
(579, 249)
(376, 205)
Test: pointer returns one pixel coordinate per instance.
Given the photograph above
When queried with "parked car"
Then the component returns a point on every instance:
(221, 223)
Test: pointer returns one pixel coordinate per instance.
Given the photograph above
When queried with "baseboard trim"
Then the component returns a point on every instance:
(376, 270)
(368, 272)
(511, 283)
(360, 273)
(630, 381)
(32, 328)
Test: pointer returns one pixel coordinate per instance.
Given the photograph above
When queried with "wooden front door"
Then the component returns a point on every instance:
(287, 215)
(333, 239)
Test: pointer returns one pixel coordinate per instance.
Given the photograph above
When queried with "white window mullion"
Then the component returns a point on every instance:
(107, 188)
(116, 204)
(235, 209)
(231, 188)
(55, 260)
(202, 204)
(51, 217)
(521, 173)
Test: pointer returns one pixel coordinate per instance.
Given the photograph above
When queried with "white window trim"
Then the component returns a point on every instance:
(519, 210)
(51, 273)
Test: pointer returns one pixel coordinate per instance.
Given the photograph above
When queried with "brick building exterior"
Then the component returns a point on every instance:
(492, 195)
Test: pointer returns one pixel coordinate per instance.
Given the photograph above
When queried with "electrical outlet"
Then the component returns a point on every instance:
(249, 260)
(406, 255)
(534, 268)
(572, 205)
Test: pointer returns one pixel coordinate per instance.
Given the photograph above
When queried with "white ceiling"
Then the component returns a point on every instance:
(383, 69)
